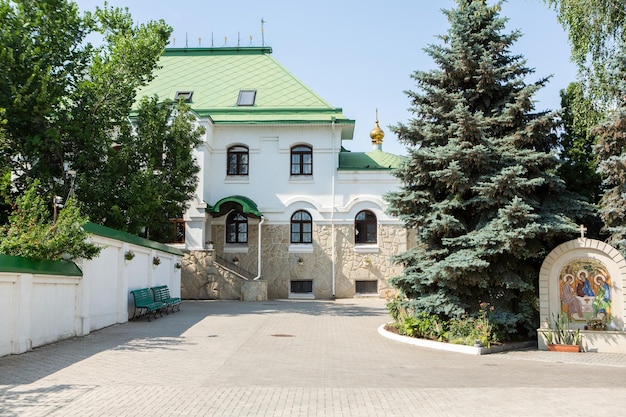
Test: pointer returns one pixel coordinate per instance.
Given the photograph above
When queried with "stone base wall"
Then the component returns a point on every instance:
(202, 280)
(254, 290)
(282, 263)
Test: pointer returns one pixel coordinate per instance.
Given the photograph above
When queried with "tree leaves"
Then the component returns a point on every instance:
(32, 233)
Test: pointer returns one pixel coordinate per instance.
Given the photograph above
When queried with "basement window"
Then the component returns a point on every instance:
(246, 97)
(184, 96)
(301, 286)
(366, 287)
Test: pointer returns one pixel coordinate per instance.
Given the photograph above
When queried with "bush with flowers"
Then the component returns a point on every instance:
(465, 330)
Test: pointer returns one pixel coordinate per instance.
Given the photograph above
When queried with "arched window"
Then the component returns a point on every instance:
(236, 228)
(301, 227)
(237, 158)
(301, 160)
(365, 227)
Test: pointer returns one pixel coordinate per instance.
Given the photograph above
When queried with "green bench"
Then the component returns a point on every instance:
(146, 305)
(162, 294)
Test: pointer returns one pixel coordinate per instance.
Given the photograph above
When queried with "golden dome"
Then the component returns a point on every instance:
(377, 133)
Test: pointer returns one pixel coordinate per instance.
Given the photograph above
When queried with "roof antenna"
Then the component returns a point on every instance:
(186, 41)
(263, 21)
(238, 39)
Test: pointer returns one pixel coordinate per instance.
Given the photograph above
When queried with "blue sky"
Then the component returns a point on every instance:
(356, 54)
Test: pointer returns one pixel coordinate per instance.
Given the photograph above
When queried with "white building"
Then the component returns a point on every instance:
(274, 175)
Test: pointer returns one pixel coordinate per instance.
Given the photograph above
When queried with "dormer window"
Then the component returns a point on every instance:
(246, 97)
(184, 96)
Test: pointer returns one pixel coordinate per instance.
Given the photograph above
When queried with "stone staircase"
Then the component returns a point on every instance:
(233, 268)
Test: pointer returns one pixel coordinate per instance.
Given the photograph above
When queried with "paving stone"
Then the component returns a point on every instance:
(295, 358)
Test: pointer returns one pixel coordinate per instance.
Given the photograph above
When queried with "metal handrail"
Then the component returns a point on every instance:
(233, 268)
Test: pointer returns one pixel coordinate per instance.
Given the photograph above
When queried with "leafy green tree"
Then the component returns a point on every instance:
(578, 161)
(102, 102)
(611, 151)
(5, 177)
(40, 60)
(153, 171)
(32, 233)
(479, 185)
(68, 112)
(596, 30)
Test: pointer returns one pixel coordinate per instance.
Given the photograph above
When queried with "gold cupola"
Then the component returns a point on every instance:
(377, 135)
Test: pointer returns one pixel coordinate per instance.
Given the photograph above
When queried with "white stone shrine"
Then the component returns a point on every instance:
(584, 280)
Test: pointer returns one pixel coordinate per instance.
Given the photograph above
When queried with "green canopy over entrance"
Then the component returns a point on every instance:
(237, 202)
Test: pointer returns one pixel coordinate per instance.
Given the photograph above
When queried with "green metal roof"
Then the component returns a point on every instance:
(373, 160)
(226, 204)
(104, 231)
(23, 265)
(216, 75)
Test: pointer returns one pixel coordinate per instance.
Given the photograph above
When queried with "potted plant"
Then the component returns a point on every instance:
(156, 261)
(596, 324)
(209, 244)
(129, 255)
(560, 337)
(235, 260)
(300, 261)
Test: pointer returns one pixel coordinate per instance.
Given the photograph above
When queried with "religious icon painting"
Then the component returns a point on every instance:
(585, 290)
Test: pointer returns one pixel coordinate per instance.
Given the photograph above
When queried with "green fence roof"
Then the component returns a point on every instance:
(104, 231)
(23, 265)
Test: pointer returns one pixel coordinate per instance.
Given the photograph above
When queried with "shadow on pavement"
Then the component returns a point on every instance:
(162, 333)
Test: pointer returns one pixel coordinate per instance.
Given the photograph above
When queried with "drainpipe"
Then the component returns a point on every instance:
(332, 212)
(259, 251)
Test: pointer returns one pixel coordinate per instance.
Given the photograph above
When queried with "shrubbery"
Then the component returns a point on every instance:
(465, 330)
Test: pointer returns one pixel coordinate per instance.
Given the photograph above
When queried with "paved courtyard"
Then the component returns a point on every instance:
(296, 358)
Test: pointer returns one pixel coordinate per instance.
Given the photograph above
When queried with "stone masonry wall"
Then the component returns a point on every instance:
(202, 280)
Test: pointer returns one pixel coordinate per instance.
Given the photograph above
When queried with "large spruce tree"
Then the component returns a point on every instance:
(479, 186)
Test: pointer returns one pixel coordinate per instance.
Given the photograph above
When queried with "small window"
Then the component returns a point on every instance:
(365, 227)
(184, 96)
(301, 286)
(366, 287)
(178, 230)
(301, 227)
(237, 160)
(236, 228)
(301, 160)
(246, 98)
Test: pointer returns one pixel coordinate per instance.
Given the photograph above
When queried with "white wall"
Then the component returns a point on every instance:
(37, 309)
(270, 185)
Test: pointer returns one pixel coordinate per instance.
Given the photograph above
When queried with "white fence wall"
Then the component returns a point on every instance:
(37, 309)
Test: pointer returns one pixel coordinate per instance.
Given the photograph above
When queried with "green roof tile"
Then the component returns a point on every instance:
(373, 160)
(216, 75)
